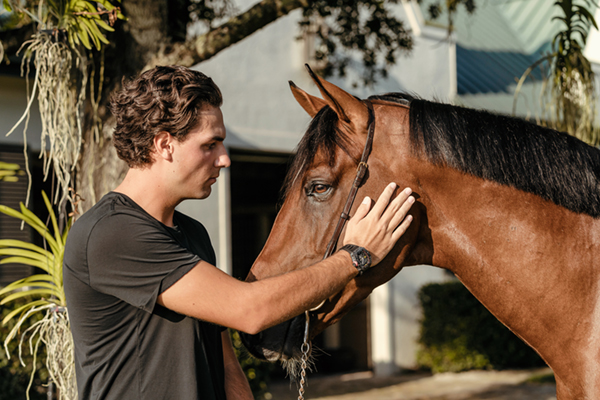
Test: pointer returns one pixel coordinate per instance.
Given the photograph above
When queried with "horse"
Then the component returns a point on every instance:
(509, 207)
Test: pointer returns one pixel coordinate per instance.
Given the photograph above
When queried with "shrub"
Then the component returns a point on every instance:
(458, 333)
(255, 370)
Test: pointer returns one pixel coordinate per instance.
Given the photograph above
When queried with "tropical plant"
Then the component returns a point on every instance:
(568, 95)
(14, 377)
(46, 290)
(61, 75)
(10, 172)
(80, 19)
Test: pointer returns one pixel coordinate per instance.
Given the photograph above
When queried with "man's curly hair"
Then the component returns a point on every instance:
(162, 99)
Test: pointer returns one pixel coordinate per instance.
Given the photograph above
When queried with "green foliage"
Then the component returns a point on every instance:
(46, 288)
(542, 378)
(14, 377)
(255, 370)
(436, 9)
(80, 19)
(458, 334)
(10, 172)
(39, 312)
(367, 27)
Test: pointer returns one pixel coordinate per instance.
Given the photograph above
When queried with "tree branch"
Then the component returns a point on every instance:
(203, 47)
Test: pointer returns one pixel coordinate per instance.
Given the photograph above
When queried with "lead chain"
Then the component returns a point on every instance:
(305, 351)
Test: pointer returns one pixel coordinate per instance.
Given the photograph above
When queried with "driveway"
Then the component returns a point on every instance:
(483, 385)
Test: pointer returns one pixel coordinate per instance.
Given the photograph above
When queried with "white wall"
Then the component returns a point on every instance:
(13, 102)
(592, 47)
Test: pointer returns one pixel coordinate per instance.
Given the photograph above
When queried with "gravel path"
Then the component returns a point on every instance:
(484, 385)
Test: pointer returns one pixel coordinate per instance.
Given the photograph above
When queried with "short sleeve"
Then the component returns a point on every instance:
(135, 259)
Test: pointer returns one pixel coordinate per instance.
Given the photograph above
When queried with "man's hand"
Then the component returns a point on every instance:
(378, 229)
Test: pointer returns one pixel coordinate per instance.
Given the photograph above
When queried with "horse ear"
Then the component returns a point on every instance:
(311, 104)
(350, 110)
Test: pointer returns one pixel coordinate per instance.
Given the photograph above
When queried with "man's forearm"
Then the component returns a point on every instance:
(282, 297)
(236, 384)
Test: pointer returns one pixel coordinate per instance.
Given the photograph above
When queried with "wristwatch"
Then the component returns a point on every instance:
(361, 258)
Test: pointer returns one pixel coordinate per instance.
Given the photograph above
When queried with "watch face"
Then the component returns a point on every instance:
(363, 258)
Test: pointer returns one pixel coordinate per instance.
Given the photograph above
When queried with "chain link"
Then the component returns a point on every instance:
(305, 352)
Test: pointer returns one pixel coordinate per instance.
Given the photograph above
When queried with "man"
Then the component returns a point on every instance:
(146, 303)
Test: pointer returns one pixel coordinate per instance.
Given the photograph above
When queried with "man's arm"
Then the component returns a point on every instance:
(236, 384)
(209, 294)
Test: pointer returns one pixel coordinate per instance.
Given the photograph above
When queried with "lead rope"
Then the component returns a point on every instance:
(305, 351)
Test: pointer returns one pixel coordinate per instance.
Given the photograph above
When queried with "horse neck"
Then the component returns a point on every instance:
(530, 262)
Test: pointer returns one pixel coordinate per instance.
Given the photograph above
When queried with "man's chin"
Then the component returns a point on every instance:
(205, 193)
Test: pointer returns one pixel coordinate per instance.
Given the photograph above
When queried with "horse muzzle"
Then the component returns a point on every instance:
(279, 343)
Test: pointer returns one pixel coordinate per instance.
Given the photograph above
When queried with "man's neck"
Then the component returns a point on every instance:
(148, 192)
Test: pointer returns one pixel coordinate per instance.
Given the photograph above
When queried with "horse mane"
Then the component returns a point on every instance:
(510, 151)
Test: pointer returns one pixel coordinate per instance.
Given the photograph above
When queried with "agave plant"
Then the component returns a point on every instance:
(46, 290)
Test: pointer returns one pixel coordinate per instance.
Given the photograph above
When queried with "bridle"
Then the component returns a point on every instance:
(361, 171)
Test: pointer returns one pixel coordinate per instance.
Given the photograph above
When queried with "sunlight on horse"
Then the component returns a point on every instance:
(509, 207)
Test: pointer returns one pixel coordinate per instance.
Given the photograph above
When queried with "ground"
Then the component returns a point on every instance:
(480, 385)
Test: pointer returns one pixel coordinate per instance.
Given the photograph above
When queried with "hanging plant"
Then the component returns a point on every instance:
(66, 28)
(568, 95)
(46, 289)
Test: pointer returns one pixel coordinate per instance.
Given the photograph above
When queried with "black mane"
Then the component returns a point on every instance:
(513, 152)
(510, 151)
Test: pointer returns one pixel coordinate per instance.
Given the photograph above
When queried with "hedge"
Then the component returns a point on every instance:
(458, 333)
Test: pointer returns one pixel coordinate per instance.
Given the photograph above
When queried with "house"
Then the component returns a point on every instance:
(477, 66)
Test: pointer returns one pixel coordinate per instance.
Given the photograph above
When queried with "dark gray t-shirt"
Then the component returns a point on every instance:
(118, 259)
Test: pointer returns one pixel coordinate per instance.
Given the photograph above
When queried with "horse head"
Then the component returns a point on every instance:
(510, 207)
(316, 189)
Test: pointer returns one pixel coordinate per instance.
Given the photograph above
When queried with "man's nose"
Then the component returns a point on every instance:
(223, 161)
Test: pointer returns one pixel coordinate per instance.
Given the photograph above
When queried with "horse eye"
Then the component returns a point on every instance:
(320, 188)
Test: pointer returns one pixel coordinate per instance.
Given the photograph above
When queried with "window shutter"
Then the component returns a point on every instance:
(11, 194)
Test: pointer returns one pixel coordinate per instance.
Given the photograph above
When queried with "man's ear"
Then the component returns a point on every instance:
(163, 145)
